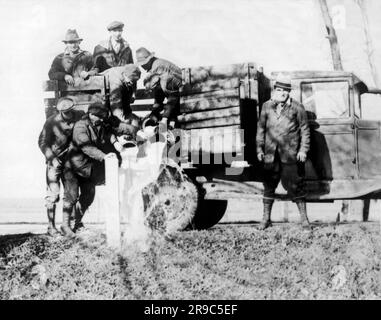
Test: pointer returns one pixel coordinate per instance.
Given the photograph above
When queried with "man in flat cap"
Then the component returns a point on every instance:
(113, 52)
(283, 140)
(94, 139)
(73, 62)
(165, 79)
(54, 141)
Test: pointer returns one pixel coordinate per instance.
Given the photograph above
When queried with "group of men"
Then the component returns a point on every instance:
(75, 150)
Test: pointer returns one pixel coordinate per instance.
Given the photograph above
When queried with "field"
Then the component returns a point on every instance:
(228, 261)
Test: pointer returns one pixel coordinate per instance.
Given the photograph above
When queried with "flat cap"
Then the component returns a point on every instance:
(115, 25)
(65, 104)
(98, 109)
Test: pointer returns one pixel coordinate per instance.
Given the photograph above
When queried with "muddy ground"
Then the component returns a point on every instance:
(232, 261)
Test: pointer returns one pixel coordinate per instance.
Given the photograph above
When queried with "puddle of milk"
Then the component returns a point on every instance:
(134, 174)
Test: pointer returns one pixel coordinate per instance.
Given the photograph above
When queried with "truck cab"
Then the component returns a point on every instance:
(345, 154)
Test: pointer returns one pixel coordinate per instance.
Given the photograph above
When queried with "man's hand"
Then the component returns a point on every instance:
(55, 162)
(69, 79)
(301, 156)
(84, 74)
(261, 156)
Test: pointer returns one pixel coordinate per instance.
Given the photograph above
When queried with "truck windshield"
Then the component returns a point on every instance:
(326, 99)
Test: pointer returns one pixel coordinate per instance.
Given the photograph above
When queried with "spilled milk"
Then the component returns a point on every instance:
(134, 174)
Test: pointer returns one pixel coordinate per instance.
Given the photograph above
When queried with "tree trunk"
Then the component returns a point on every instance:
(368, 42)
(335, 50)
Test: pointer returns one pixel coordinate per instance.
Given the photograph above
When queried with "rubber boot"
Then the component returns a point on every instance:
(78, 225)
(52, 231)
(266, 221)
(301, 204)
(65, 227)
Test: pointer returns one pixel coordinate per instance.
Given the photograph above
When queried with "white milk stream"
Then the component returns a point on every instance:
(134, 174)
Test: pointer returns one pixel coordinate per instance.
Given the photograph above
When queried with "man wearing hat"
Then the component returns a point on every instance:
(122, 82)
(94, 139)
(283, 140)
(54, 141)
(113, 52)
(164, 79)
(73, 62)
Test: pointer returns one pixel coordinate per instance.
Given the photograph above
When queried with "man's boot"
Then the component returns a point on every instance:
(78, 225)
(266, 221)
(52, 231)
(65, 227)
(302, 206)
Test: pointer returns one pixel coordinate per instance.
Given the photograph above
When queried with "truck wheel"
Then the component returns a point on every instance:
(209, 213)
(170, 202)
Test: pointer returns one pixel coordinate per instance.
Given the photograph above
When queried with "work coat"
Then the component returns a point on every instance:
(170, 82)
(64, 64)
(105, 57)
(288, 132)
(55, 137)
(91, 143)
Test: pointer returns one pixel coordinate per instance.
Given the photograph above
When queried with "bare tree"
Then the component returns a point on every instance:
(368, 42)
(335, 49)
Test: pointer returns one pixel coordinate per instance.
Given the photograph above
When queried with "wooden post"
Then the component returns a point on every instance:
(111, 206)
(285, 210)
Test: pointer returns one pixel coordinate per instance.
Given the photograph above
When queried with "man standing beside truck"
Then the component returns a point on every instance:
(283, 140)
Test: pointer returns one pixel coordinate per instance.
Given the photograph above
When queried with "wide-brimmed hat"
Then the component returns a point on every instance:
(98, 109)
(65, 104)
(71, 36)
(143, 56)
(283, 81)
(115, 25)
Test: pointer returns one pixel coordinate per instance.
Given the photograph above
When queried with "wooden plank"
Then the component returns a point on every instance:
(223, 93)
(96, 83)
(141, 107)
(202, 74)
(205, 115)
(195, 105)
(143, 94)
(212, 140)
(50, 85)
(50, 102)
(226, 121)
(111, 205)
(210, 85)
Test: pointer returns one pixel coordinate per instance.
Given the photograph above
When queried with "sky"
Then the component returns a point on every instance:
(276, 34)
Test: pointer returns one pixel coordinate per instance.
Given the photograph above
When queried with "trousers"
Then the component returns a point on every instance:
(291, 175)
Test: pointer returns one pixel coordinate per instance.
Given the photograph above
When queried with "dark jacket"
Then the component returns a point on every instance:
(120, 93)
(170, 82)
(55, 137)
(289, 132)
(105, 56)
(64, 64)
(91, 143)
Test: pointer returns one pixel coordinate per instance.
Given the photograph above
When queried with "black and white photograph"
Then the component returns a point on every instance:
(208, 151)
